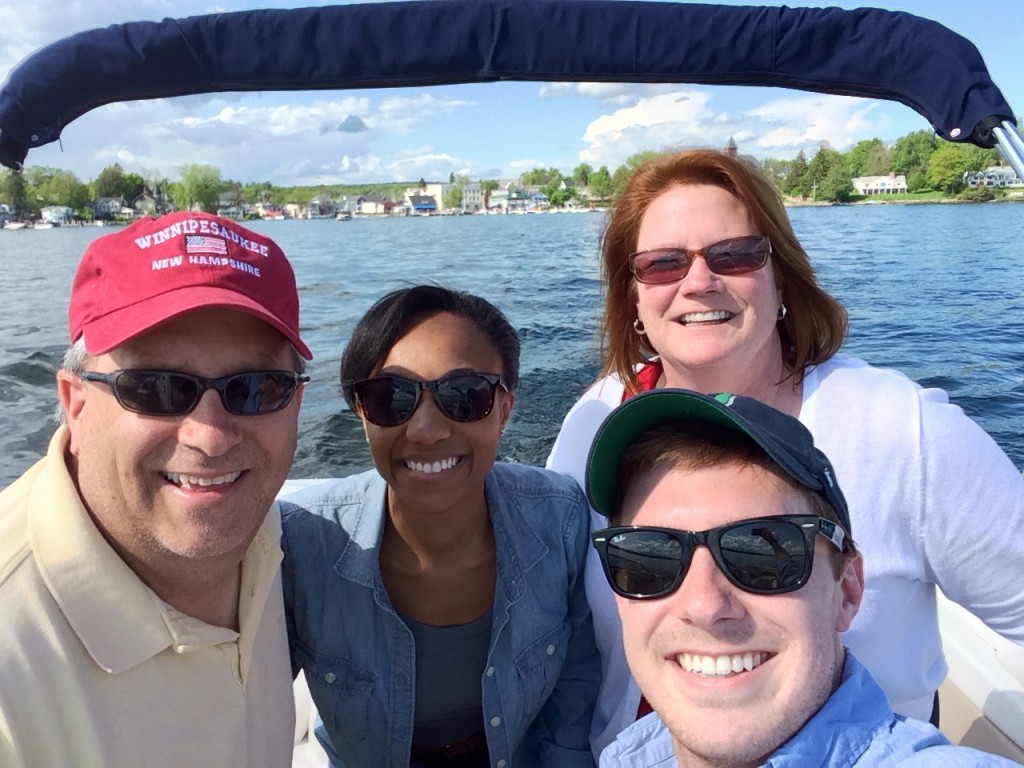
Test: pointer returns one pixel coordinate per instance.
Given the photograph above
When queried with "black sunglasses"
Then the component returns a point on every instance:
(735, 256)
(764, 555)
(388, 401)
(173, 393)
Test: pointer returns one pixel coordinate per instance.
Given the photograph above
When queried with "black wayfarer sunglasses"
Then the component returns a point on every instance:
(388, 401)
(173, 393)
(735, 256)
(763, 555)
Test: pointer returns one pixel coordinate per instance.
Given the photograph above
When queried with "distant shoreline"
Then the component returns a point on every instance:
(790, 203)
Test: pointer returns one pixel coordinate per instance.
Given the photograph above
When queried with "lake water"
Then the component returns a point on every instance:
(933, 290)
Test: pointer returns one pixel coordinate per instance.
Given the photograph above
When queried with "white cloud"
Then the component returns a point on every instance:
(404, 114)
(616, 94)
(688, 117)
(797, 122)
(666, 120)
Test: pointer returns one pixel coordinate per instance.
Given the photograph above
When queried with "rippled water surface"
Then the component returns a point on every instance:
(934, 290)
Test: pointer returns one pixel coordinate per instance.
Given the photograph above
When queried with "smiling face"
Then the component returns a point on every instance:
(712, 331)
(682, 648)
(431, 463)
(168, 491)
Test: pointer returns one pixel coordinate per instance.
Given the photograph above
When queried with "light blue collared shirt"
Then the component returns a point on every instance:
(855, 727)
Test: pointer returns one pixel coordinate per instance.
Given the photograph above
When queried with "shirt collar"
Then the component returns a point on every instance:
(120, 621)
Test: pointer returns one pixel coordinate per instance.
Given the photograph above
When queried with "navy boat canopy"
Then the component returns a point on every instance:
(866, 52)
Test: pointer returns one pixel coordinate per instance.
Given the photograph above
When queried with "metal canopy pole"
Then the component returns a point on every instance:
(1010, 145)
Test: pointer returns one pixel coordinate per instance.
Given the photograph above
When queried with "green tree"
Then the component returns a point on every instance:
(948, 164)
(601, 183)
(776, 171)
(199, 186)
(132, 187)
(489, 185)
(559, 197)
(110, 182)
(258, 192)
(540, 177)
(620, 177)
(581, 174)
(910, 157)
(63, 188)
(15, 192)
(452, 199)
(869, 158)
(830, 179)
(797, 184)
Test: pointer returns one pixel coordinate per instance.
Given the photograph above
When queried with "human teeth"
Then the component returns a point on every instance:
(431, 468)
(181, 479)
(720, 666)
(705, 317)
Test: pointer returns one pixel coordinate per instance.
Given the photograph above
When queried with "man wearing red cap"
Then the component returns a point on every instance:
(139, 583)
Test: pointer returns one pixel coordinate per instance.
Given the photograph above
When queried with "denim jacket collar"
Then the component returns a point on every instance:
(520, 545)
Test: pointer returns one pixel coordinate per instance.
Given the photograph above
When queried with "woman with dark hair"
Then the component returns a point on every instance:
(436, 604)
(708, 288)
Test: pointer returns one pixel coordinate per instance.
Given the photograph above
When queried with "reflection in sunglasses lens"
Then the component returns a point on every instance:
(388, 401)
(646, 562)
(762, 556)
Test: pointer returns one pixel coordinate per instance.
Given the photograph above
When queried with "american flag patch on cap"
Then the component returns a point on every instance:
(205, 244)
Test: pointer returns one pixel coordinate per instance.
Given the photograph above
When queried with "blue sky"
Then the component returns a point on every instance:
(485, 131)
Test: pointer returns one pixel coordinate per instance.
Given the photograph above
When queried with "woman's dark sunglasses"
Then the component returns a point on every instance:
(388, 401)
(173, 393)
(735, 256)
(764, 555)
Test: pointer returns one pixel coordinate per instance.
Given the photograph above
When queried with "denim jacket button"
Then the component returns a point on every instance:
(329, 677)
(501, 763)
(495, 721)
(490, 671)
(551, 650)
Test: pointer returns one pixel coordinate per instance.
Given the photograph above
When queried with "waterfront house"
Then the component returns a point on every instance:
(421, 204)
(322, 207)
(151, 203)
(993, 176)
(880, 185)
(373, 205)
(106, 208)
(56, 214)
(472, 197)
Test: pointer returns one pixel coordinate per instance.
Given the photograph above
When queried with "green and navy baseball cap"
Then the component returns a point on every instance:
(786, 441)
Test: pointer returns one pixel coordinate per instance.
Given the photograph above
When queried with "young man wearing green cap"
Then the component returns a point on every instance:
(734, 573)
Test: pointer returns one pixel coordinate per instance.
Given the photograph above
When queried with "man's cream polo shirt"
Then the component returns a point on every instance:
(96, 670)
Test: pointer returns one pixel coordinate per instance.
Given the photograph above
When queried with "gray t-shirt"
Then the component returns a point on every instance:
(449, 666)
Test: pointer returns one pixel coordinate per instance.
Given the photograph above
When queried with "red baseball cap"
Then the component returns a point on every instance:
(159, 268)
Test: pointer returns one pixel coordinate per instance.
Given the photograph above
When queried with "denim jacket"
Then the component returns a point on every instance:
(855, 727)
(542, 671)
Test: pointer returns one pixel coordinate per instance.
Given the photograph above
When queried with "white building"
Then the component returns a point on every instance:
(472, 197)
(880, 185)
(993, 176)
(56, 214)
